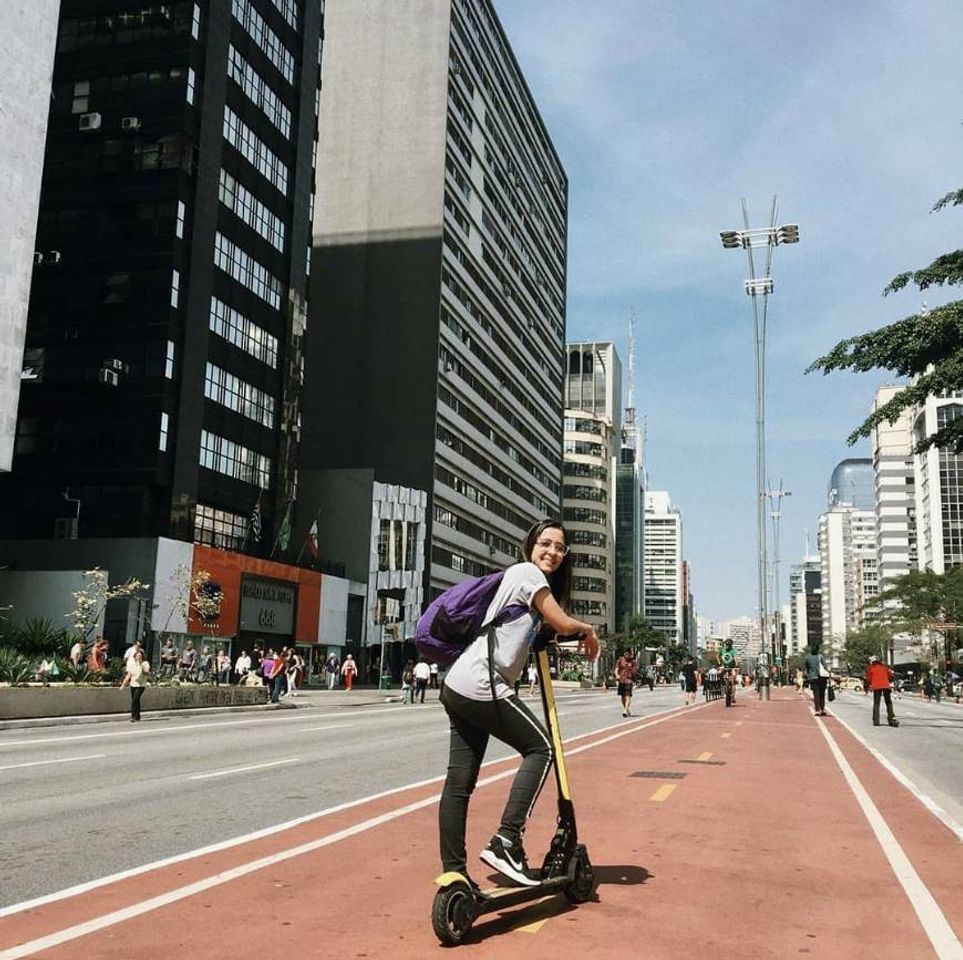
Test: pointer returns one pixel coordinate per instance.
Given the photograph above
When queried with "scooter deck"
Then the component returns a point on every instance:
(497, 897)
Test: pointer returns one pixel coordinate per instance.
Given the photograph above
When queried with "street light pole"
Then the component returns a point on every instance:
(775, 514)
(767, 239)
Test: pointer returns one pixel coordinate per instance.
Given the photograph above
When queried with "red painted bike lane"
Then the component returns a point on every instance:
(758, 849)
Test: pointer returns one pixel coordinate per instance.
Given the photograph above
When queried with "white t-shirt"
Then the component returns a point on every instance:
(137, 671)
(469, 674)
(422, 670)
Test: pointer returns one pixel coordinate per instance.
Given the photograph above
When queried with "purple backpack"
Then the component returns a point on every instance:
(455, 618)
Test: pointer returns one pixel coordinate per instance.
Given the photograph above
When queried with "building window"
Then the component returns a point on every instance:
(247, 271)
(243, 333)
(196, 22)
(175, 287)
(181, 217)
(164, 425)
(169, 361)
(289, 10)
(234, 460)
(239, 200)
(258, 91)
(238, 395)
(81, 97)
(264, 37)
(191, 81)
(220, 528)
(240, 136)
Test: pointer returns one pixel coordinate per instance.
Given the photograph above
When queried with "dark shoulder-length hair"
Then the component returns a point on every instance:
(560, 582)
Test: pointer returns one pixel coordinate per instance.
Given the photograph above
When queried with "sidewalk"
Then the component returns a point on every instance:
(757, 831)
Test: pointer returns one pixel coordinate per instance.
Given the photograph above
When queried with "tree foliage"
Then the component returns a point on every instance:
(926, 347)
(871, 641)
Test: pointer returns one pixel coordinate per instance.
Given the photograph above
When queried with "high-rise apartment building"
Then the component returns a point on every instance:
(591, 441)
(164, 337)
(848, 571)
(895, 493)
(939, 488)
(664, 599)
(438, 289)
(29, 30)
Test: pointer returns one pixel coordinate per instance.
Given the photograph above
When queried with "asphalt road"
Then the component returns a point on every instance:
(83, 802)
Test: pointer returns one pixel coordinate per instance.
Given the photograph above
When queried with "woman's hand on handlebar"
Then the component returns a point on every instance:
(589, 644)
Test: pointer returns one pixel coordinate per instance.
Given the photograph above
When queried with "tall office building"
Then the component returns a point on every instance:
(939, 488)
(629, 538)
(164, 341)
(29, 30)
(438, 288)
(592, 436)
(805, 606)
(664, 599)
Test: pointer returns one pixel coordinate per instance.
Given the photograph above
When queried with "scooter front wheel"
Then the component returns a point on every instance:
(583, 884)
(452, 913)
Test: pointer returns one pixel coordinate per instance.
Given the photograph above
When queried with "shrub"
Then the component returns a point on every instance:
(15, 668)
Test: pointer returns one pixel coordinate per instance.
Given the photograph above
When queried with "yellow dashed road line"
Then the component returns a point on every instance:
(663, 793)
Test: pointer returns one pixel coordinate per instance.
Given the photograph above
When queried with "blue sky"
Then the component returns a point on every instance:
(665, 115)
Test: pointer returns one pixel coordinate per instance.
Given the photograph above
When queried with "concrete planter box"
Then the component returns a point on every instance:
(69, 700)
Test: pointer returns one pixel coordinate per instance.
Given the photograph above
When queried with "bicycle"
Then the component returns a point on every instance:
(730, 690)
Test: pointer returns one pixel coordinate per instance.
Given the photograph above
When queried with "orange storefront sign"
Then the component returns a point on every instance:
(229, 570)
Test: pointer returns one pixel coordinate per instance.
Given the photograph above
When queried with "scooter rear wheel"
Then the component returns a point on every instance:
(452, 913)
(581, 888)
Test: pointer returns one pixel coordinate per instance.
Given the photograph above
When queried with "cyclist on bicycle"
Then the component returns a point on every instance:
(727, 658)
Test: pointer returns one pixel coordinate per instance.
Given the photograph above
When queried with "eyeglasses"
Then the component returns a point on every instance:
(560, 548)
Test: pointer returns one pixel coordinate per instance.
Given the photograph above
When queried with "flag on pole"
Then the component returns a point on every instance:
(311, 539)
(283, 537)
(256, 520)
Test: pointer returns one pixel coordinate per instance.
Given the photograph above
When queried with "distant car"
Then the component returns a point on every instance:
(851, 683)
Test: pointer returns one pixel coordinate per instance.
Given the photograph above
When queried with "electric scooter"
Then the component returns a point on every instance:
(566, 868)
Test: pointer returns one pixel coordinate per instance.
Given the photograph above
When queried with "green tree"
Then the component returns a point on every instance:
(641, 634)
(926, 347)
(871, 641)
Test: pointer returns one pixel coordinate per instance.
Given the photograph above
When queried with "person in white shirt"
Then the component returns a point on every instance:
(242, 666)
(77, 653)
(532, 594)
(422, 676)
(131, 650)
(138, 670)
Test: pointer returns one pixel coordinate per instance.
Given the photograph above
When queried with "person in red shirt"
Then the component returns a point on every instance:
(625, 675)
(879, 679)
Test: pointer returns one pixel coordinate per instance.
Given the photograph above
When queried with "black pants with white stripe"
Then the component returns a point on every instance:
(472, 723)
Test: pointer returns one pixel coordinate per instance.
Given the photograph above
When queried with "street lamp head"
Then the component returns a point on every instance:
(731, 239)
(788, 233)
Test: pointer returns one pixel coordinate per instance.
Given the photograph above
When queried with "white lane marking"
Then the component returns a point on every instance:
(330, 726)
(43, 763)
(278, 828)
(920, 795)
(253, 766)
(935, 924)
(153, 731)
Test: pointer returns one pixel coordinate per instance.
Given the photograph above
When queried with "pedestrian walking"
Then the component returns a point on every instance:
(625, 677)
(332, 667)
(349, 670)
(689, 682)
(879, 679)
(817, 673)
(408, 682)
(135, 677)
(223, 666)
(433, 677)
(188, 662)
(800, 680)
(478, 697)
(278, 676)
(422, 675)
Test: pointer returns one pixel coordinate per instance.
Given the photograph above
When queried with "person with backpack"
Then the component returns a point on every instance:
(478, 695)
